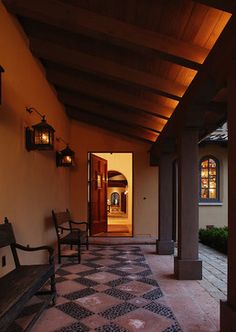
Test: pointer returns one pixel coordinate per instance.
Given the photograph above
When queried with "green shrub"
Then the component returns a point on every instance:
(215, 237)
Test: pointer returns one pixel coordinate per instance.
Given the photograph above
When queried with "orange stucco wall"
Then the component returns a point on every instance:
(30, 183)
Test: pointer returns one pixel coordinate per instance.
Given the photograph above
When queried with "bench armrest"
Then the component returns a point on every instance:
(28, 248)
(80, 223)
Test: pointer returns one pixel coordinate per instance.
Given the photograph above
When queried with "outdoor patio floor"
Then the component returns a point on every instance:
(129, 288)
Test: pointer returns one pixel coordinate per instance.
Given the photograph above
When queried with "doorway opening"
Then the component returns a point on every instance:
(110, 193)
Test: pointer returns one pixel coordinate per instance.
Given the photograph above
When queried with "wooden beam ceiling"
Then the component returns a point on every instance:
(207, 83)
(118, 114)
(78, 20)
(105, 93)
(91, 64)
(125, 65)
(145, 135)
(226, 5)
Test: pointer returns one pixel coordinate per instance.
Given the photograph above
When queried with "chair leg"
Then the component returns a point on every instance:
(87, 244)
(59, 253)
(71, 247)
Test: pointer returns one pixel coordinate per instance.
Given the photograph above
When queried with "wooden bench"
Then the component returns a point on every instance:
(69, 232)
(23, 282)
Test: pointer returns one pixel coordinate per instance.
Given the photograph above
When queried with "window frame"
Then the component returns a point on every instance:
(210, 200)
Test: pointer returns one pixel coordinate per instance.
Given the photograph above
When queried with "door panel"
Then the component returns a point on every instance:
(98, 195)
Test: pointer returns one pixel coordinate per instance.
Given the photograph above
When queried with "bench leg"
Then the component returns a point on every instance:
(53, 289)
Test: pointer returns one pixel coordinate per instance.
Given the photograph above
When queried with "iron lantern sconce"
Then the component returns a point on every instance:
(41, 136)
(65, 157)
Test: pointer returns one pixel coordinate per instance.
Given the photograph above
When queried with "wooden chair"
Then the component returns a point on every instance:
(68, 234)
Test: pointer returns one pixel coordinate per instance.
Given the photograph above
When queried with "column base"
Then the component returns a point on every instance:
(165, 247)
(187, 269)
(227, 317)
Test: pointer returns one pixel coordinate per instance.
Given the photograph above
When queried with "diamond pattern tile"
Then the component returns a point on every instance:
(98, 302)
(119, 294)
(112, 290)
(119, 310)
(74, 310)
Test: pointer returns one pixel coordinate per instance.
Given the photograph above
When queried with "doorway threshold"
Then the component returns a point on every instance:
(122, 240)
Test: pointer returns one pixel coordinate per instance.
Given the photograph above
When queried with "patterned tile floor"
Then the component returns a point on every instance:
(113, 289)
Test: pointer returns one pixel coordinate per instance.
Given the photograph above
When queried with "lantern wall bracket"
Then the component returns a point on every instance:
(65, 157)
(41, 135)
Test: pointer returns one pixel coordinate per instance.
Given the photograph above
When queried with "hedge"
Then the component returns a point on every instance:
(215, 237)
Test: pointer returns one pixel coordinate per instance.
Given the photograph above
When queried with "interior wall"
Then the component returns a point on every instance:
(216, 214)
(30, 183)
(85, 139)
(123, 163)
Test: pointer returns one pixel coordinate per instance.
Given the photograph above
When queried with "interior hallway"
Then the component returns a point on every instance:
(125, 288)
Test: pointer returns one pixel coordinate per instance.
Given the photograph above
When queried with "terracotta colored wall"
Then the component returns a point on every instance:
(216, 214)
(86, 139)
(30, 183)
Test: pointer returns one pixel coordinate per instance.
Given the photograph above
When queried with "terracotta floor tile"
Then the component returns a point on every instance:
(144, 321)
(106, 261)
(94, 321)
(76, 268)
(51, 320)
(69, 286)
(98, 302)
(136, 288)
(102, 277)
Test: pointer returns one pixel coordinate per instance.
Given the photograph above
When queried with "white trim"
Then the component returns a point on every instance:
(211, 204)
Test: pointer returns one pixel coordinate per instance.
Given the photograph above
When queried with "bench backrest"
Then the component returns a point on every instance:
(7, 236)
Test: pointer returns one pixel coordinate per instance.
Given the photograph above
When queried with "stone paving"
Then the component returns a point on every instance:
(214, 272)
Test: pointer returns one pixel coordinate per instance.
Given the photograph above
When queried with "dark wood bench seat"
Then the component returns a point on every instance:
(21, 284)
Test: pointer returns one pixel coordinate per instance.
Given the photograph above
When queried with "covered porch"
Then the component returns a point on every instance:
(121, 76)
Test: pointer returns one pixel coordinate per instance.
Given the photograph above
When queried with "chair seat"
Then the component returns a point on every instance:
(71, 238)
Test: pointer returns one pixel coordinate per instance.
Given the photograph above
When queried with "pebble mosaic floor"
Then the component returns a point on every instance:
(113, 289)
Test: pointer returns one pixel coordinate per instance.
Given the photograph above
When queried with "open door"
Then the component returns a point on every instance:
(98, 195)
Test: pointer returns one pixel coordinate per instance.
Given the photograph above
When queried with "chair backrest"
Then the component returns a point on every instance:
(60, 218)
(7, 236)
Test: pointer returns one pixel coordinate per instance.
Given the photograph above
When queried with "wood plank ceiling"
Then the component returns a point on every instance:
(123, 65)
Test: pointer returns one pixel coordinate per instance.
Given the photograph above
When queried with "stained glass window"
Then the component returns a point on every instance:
(209, 178)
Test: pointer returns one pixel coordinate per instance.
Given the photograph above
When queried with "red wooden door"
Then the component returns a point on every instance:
(98, 195)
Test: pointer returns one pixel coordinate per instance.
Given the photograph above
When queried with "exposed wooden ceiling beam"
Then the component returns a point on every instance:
(105, 68)
(204, 87)
(226, 5)
(97, 90)
(137, 133)
(113, 113)
(78, 20)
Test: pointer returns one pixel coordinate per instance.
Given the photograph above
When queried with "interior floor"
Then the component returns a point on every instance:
(117, 230)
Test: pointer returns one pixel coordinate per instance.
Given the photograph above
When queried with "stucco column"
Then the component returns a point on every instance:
(187, 265)
(165, 244)
(228, 308)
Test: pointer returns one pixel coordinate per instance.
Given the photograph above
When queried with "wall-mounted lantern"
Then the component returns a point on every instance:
(41, 136)
(65, 157)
